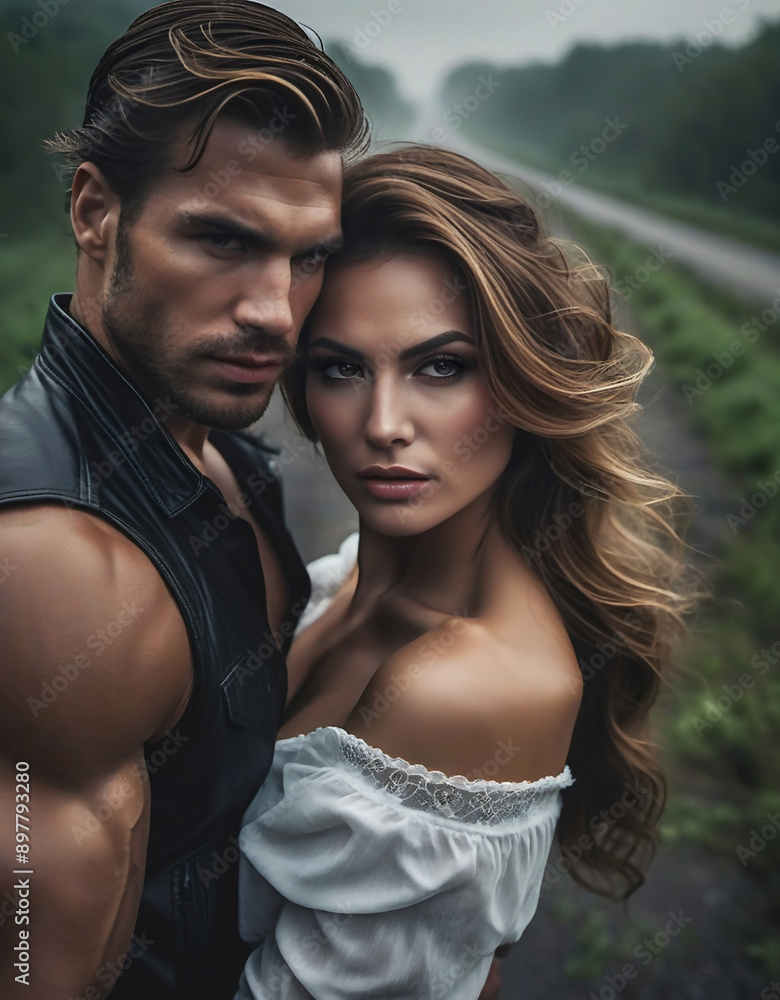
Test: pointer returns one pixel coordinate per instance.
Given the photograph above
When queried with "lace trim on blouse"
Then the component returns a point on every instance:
(481, 801)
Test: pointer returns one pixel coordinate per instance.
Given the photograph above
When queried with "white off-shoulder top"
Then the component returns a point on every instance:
(365, 876)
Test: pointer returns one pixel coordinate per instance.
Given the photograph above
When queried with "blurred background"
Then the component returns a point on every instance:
(648, 133)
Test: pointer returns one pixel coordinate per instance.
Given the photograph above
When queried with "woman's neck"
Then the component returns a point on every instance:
(440, 569)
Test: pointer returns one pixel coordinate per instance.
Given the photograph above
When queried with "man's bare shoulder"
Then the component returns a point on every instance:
(462, 700)
(95, 655)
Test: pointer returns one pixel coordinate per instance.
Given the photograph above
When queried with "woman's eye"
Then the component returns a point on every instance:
(311, 261)
(341, 370)
(442, 367)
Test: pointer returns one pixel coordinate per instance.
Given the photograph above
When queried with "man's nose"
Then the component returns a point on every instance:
(388, 421)
(265, 300)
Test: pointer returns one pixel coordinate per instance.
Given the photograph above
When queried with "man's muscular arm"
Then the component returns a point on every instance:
(94, 662)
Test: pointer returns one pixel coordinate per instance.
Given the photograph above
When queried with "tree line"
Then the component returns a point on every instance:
(49, 49)
(692, 119)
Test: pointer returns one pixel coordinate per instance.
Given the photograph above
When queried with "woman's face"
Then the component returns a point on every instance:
(396, 396)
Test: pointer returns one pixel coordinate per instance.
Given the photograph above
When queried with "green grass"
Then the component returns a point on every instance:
(687, 324)
(32, 270)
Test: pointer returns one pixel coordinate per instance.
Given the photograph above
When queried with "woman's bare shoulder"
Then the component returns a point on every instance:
(474, 698)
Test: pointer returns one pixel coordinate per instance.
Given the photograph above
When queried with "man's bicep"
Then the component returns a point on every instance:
(73, 864)
(94, 660)
(95, 654)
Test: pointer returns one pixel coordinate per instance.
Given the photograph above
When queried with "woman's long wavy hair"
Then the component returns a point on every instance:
(578, 498)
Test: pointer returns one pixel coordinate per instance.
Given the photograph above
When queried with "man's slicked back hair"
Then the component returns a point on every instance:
(184, 63)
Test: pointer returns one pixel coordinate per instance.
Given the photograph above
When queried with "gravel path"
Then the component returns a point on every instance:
(748, 272)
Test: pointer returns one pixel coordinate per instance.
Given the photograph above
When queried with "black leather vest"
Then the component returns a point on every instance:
(76, 430)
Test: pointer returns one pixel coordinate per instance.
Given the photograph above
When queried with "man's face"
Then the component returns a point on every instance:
(211, 282)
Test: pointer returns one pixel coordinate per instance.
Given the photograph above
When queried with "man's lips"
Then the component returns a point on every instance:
(248, 367)
(249, 360)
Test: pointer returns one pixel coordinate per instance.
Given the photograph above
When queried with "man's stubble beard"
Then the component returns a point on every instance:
(134, 325)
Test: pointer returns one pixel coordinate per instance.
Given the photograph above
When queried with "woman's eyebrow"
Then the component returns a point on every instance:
(438, 341)
(334, 345)
(410, 352)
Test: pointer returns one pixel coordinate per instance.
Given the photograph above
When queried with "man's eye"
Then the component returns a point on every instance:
(223, 242)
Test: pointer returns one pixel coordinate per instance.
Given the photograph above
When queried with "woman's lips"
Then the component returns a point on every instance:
(394, 483)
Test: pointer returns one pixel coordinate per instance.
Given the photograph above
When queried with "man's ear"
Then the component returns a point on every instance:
(94, 211)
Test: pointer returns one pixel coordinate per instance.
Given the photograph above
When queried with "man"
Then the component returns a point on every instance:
(153, 589)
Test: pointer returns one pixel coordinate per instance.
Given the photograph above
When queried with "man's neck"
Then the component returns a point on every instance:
(192, 438)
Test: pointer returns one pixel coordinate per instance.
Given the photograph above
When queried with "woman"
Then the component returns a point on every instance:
(488, 664)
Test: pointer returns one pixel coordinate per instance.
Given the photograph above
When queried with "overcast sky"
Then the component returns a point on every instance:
(421, 39)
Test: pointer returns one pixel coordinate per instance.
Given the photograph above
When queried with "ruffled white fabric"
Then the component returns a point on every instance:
(327, 574)
(366, 876)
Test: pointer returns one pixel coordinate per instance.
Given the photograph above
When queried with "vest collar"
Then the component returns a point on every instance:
(74, 358)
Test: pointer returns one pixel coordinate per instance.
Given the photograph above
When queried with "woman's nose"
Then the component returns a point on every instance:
(388, 421)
